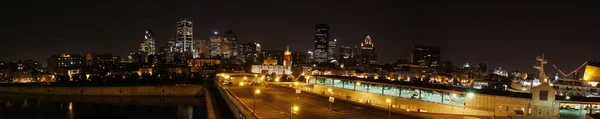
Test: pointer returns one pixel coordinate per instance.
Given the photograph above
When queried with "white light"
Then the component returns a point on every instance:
(216, 33)
(568, 97)
(470, 95)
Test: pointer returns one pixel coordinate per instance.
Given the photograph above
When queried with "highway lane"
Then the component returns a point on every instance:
(274, 102)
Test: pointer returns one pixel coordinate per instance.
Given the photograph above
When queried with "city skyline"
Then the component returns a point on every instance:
(509, 38)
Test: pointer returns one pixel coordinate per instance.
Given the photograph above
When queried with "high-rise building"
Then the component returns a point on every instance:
(202, 48)
(166, 53)
(248, 52)
(332, 50)
(227, 45)
(287, 57)
(347, 56)
(301, 58)
(321, 43)
(367, 51)
(311, 56)
(184, 42)
(425, 56)
(147, 45)
(215, 48)
(230, 44)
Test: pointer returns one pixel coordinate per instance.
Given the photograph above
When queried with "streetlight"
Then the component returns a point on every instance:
(294, 109)
(256, 92)
(389, 107)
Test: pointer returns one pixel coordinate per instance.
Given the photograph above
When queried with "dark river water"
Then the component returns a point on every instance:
(98, 107)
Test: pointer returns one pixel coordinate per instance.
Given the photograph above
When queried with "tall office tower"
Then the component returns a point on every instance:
(147, 45)
(332, 50)
(215, 45)
(287, 57)
(347, 56)
(321, 42)
(231, 43)
(184, 42)
(367, 51)
(425, 56)
(202, 48)
(227, 46)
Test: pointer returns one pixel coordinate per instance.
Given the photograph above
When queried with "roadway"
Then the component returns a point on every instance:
(276, 103)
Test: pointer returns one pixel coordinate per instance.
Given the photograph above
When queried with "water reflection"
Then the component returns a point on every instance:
(82, 107)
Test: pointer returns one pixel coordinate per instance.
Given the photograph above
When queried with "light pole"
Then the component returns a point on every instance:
(292, 110)
(256, 92)
(389, 107)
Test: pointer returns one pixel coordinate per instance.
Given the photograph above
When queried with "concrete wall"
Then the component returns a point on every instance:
(110, 91)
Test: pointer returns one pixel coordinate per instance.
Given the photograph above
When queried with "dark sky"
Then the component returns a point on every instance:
(499, 34)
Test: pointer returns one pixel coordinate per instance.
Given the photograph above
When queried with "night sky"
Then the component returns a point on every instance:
(498, 34)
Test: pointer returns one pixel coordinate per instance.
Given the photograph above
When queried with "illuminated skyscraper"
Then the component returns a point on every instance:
(332, 50)
(321, 42)
(215, 45)
(147, 45)
(184, 42)
(367, 51)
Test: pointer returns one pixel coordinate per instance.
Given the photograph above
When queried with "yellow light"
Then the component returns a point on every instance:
(70, 106)
(454, 95)
(470, 95)
(257, 91)
(245, 78)
(295, 108)
(226, 76)
(255, 75)
(277, 79)
(241, 83)
(358, 83)
(296, 83)
(388, 101)
(329, 90)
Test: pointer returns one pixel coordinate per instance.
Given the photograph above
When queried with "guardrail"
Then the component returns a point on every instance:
(236, 106)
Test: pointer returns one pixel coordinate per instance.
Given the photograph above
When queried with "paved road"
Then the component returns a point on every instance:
(276, 103)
